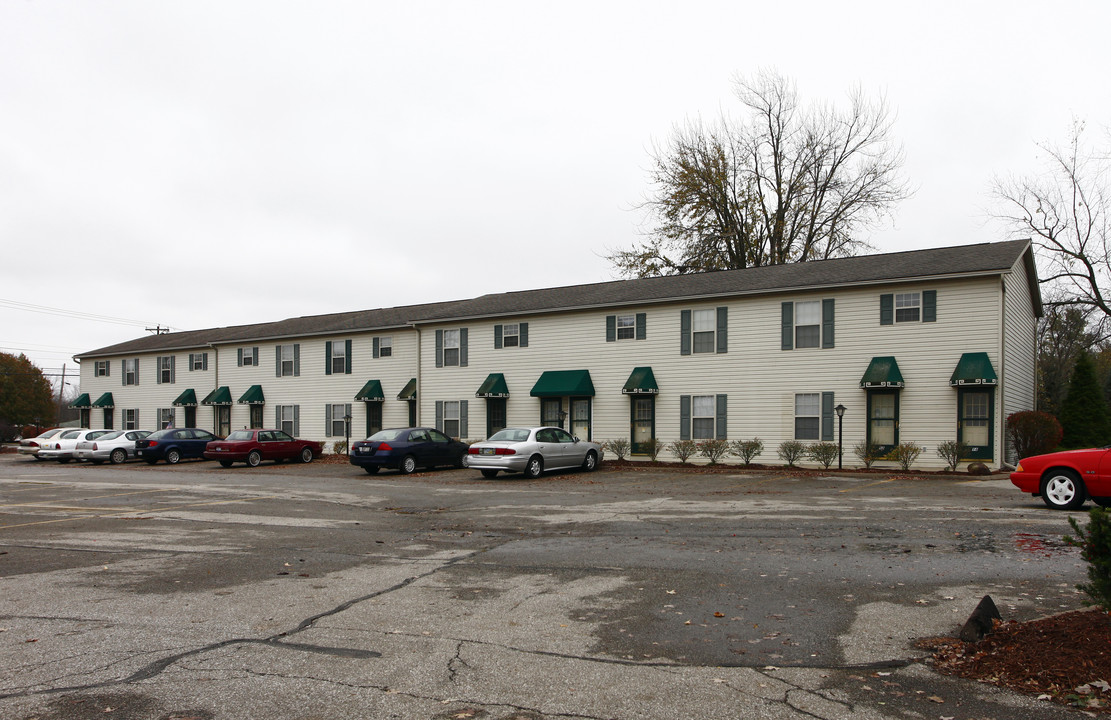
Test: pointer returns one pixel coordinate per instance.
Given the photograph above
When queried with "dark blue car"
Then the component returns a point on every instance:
(406, 449)
(173, 445)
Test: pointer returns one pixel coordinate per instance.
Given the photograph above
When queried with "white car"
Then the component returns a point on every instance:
(532, 451)
(31, 446)
(118, 447)
(61, 447)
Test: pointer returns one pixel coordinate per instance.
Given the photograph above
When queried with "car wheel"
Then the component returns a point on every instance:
(1063, 490)
(371, 469)
(254, 458)
(225, 463)
(590, 462)
(535, 467)
(408, 464)
(306, 455)
(173, 457)
(118, 456)
(464, 460)
(489, 474)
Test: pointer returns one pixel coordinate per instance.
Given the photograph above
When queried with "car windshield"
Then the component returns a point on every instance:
(510, 435)
(111, 435)
(394, 435)
(240, 435)
(159, 434)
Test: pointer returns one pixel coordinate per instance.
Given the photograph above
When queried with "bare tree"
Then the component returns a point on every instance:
(1065, 210)
(783, 184)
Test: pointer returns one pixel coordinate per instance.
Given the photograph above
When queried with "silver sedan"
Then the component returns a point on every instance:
(117, 446)
(532, 451)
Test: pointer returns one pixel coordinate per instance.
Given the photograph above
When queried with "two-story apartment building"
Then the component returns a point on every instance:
(922, 346)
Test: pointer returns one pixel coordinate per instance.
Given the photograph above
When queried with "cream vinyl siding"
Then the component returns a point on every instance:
(1020, 343)
(149, 394)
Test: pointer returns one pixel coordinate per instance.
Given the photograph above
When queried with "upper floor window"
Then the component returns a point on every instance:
(131, 371)
(198, 361)
(247, 356)
(383, 346)
(100, 368)
(337, 357)
(807, 324)
(451, 347)
(704, 331)
(287, 360)
(166, 369)
(908, 307)
(511, 335)
(626, 327)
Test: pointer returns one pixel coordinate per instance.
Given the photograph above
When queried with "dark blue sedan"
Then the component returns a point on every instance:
(173, 445)
(406, 449)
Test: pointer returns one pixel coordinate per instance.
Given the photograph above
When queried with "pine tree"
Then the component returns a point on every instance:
(1084, 414)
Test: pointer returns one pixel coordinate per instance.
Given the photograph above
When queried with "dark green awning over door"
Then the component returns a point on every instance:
(219, 396)
(494, 387)
(562, 383)
(104, 401)
(641, 381)
(186, 399)
(253, 396)
(409, 392)
(82, 402)
(882, 372)
(371, 391)
(974, 369)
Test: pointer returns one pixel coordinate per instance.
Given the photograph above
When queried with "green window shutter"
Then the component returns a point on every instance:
(278, 360)
(296, 418)
(255, 358)
(278, 416)
(929, 306)
(722, 425)
(887, 309)
(136, 371)
(328, 420)
(204, 361)
(462, 347)
(827, 417)
(522, 335)
(173, 368)
(328, 358)
(611, 328)
(827, 323)
(158, 370)
(347, 357)
(296, 359)
(192, 356)
(462, 419)
(440, 415)
(723, 330)
(685, 337)
(642, 326)
(377, 350)
(497, 337)
(684, 417)
(787, 326)
(439, 348)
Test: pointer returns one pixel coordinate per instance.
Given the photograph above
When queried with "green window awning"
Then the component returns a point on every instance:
(253, 396)
(104, 401)
(82, 402)
(641, 382)
(186, 399)
(882, 372)
(561, 383)
(371, 391)
(974, 369)
(409, 392)
(494, 387)
(219, 396)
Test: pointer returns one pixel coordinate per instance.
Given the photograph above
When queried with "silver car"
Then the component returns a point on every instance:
(61, 448)
(532, 451)
(118, 447)
(32, 446)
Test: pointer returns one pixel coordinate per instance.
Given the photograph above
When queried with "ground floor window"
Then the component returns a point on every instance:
(451, 421)
(373, 417)
(223, 420)
(975, 409)
(808, 416)
(703, 415)
(643, 423)
(130, 419)
(495, 415)
(883, 419)
(551, 412)
(256, 416)
(165, 418)
(335, 419)
(287, 418)
(108, 418)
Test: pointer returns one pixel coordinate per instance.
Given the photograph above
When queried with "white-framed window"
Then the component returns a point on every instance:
(198, 361)
(626, 327)
(385, 346)
(808, 324)
(338, 359)
(808, 416)
(288, 361)
(166, 369)
(131, 419)
(287, 419)
(337, 426)
(703, 415)
(165, 418)
(703, 326)
(248, 356)
(131, 371)
(451, 418)
(908, 307)
(510, 335)
(100, 368)
(451, 347)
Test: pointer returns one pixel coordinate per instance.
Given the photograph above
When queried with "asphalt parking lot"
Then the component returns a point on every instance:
(317, 591)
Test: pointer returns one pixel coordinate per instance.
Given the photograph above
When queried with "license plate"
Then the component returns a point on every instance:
(486, 451)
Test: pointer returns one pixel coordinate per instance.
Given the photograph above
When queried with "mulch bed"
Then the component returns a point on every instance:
(1065, 658)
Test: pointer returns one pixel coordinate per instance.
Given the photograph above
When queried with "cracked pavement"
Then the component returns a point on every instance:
(314, 591)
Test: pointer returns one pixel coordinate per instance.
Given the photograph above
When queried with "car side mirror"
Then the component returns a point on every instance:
(575, 439)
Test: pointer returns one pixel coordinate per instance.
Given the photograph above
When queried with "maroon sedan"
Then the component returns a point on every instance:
(254, 446)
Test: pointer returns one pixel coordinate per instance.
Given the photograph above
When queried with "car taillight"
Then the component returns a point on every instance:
(94, 446)
(34, 444)
(152, 443)
(384, 447)
(57, 446)
(497, 451)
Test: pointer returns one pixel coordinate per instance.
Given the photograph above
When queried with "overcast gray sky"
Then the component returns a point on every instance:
(200, 164)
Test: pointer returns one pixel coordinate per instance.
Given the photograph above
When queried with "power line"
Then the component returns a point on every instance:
(77, 314)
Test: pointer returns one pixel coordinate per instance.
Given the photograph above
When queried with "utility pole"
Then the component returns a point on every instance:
(61, 394)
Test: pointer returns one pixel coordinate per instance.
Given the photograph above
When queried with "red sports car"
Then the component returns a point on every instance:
(1066, 479)
(254, 446)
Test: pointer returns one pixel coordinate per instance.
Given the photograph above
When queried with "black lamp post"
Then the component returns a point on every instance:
(347, 432)
(840, 410)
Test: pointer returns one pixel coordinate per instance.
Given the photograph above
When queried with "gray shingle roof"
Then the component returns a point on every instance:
(964, 260)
